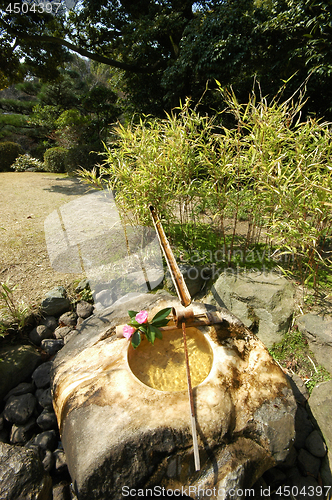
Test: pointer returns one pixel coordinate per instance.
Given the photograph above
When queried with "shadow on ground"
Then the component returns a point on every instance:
(73, 186)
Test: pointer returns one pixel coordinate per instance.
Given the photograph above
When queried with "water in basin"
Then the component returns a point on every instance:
(162, 365)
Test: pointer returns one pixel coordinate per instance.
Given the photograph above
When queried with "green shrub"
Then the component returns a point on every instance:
(55, 160)
(269, 168)
(81, 157)
(9, 151)
(26, 162)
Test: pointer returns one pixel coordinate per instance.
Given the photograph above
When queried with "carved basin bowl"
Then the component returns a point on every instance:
(162, 366)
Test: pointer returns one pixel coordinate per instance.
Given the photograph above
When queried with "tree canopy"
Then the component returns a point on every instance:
(169, 49)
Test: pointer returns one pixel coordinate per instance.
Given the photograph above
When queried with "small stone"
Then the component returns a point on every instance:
(46, 440)
(47, 420)
(79, 321)
(60, 461)
(45, 398)
(19, 409)
(62, 331)
(20, 434)
(50, 322)
(52, 346)
(303, 427)
(48, 461)
(315, 444)
(84, 309)
(55, 302)
(308, 463)
(40, 333)
(23, 388)
(82, 286)
(41, 375)
(39, 392)
(68, 319)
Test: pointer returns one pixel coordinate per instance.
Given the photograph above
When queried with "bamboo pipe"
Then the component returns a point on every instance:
(179, 283)
(185, 299)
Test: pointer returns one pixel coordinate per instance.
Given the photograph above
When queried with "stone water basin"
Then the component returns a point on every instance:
(162, 366)
(118, 432)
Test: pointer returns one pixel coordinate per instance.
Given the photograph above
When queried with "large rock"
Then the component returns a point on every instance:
(16, 364)
(263, 302)
(318, 332)
(320, 406)
(117, 432)
(22, 475)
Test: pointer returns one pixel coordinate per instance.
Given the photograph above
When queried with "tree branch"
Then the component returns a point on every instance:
(83, 52)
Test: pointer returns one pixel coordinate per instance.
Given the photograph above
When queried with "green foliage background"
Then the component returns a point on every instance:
(270, 169)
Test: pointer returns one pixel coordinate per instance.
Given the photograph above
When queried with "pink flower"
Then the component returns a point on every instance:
(142, 317)
(128, 331)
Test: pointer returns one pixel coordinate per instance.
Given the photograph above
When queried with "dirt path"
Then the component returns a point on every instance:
(26, 199)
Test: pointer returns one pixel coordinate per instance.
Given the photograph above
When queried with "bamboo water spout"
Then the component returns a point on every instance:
(185, 299)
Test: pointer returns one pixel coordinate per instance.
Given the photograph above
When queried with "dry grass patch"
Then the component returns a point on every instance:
(26, 199)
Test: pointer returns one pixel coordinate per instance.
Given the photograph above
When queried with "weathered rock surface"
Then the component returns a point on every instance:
(22, 475)
(263, 302)
(245, 411)
(318, 332)
(17, 364)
